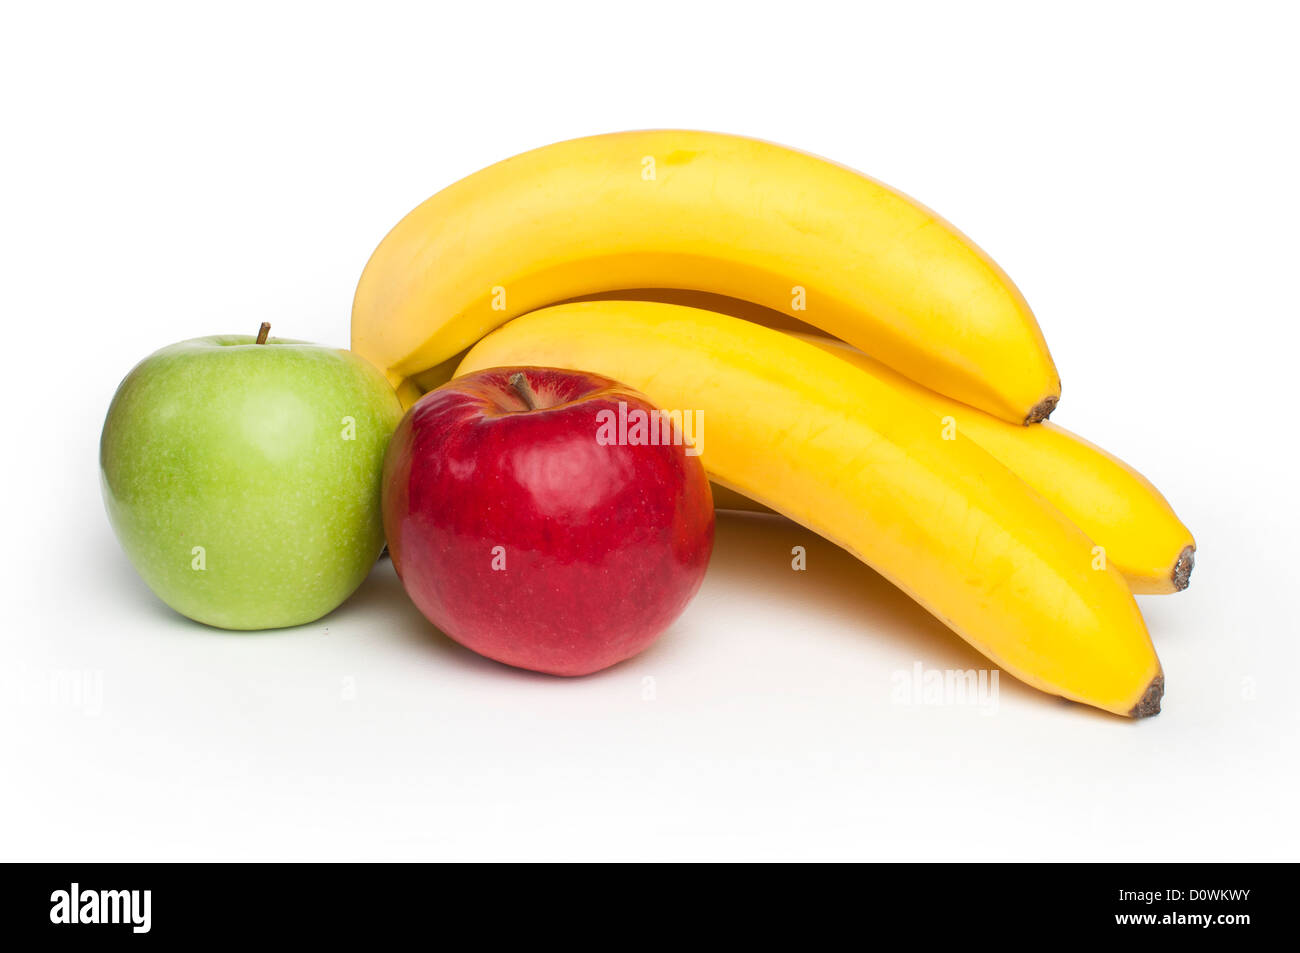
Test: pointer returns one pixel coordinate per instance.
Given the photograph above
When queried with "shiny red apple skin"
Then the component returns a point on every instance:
(603, 546)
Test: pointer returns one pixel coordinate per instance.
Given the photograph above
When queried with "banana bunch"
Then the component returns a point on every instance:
(693, 266)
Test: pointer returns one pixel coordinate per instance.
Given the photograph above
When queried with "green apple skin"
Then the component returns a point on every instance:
(243, 479)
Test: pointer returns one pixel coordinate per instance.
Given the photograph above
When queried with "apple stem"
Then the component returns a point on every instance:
(519, 384)
(263, 331)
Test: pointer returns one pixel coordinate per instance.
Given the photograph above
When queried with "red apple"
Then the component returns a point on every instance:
(524, 532)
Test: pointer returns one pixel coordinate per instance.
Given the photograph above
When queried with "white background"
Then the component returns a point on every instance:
(174, 172)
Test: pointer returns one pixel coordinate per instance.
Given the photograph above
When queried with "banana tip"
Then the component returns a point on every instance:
(1182, 574)
(1041, 410)
(1149, 703)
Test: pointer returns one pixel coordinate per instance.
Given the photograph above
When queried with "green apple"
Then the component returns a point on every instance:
(243, 478)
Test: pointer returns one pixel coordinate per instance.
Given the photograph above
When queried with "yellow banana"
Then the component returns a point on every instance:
(713, 212)
(855, 460)
(1115, 505)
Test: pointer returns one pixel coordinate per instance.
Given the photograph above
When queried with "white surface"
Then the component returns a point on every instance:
(168, 174)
